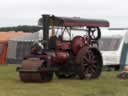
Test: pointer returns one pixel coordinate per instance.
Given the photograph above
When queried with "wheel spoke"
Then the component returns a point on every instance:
(87, 58)
(93, 66)
(92, 69)
(90, 56)
(93, 62)
(85, 64)
(90, 61)
(86, 70)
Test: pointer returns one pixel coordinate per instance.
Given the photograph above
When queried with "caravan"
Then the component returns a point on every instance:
(112, 47)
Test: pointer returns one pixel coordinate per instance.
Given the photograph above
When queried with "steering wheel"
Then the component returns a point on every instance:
(94, 33)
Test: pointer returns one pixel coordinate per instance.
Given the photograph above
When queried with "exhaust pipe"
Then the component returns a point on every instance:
(46, 23)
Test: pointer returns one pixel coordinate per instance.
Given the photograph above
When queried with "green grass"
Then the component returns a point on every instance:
(106, 85)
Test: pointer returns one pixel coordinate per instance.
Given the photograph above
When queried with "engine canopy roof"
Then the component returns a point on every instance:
(77, 21)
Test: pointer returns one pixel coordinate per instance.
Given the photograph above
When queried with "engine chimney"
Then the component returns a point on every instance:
(46, 24)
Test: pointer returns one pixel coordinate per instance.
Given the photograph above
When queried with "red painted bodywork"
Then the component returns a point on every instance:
(77, 43)
(63, 45)
(61, 57)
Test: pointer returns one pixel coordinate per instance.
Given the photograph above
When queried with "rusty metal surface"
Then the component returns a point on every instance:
(30, 71)
(77, 43)
(30, 76)
(31, 63)
(90, 63)
(36, 76)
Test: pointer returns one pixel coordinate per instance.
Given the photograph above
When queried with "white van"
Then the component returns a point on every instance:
(111, 46)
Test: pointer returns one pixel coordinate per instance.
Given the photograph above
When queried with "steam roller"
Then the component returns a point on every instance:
(76, 57)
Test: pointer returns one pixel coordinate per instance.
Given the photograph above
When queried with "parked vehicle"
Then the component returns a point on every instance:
(111, 45)
(67, 58)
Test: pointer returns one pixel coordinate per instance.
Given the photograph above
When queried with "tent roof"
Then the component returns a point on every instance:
(5, 36)
(29, 37)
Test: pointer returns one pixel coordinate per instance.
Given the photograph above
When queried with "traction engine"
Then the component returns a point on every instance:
(78, 57)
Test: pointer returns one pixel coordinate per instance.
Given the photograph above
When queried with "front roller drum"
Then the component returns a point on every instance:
(35, 76)
(31, 70)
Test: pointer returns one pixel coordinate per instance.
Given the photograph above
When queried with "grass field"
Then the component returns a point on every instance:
(106, 85)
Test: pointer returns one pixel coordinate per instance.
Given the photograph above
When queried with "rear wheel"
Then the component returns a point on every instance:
(90, 61)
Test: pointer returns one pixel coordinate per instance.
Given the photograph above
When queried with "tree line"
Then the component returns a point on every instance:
(24, 28)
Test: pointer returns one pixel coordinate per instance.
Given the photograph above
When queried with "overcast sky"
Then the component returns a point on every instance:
(27, 12)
